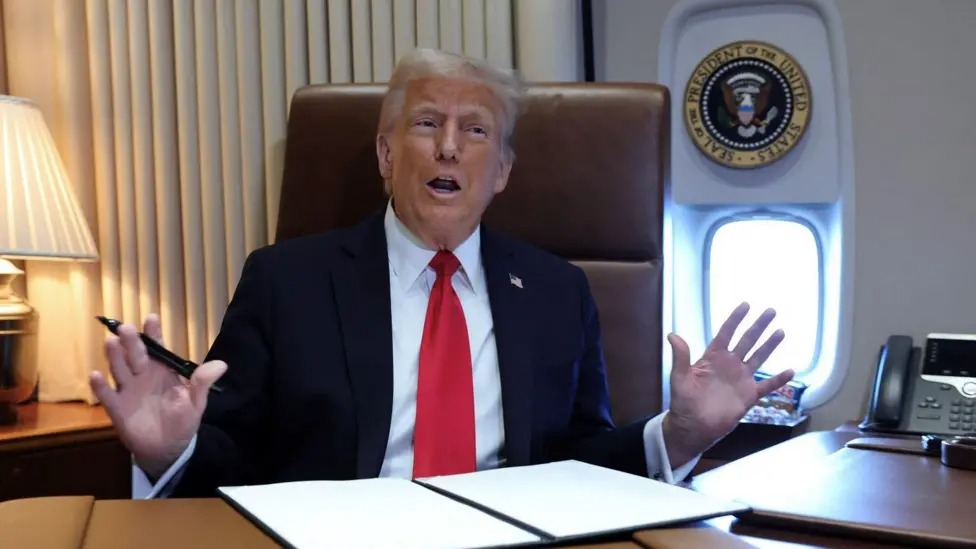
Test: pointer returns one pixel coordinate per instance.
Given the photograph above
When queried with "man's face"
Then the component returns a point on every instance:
(443, 159)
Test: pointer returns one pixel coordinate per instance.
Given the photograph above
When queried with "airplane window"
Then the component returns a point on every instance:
(769, 262)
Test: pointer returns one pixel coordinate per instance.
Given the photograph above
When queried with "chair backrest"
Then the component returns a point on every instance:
(591, 162)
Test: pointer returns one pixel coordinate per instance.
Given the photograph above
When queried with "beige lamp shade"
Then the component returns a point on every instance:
(39, 215)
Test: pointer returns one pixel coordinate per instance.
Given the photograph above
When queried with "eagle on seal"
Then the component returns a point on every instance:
(746, 97)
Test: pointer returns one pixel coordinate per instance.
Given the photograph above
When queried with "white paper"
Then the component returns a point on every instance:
(371, 513)
(571, 498)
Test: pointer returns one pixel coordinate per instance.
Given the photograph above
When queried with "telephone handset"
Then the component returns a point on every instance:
(895, 362)
(930, 393)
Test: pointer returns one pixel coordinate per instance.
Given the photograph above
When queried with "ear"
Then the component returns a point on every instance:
(384, 156)
(504, 169)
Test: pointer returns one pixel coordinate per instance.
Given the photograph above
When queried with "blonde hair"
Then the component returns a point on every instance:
(425, 63)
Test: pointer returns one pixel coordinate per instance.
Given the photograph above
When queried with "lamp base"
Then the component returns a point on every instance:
(8, 410)
(15, 316)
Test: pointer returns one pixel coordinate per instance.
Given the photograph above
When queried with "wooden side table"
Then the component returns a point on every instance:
(61, 449)
(748, 438)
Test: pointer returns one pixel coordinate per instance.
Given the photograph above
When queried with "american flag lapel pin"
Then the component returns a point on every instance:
(516, 281)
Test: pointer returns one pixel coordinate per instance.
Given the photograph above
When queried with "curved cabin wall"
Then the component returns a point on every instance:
(807, 175)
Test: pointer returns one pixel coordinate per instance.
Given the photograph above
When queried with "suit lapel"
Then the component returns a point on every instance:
(362, 290)
(513, 338)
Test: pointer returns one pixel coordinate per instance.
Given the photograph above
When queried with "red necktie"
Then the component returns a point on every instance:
(444, 426)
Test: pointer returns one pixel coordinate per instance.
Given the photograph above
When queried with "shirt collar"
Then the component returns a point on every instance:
(409, 256)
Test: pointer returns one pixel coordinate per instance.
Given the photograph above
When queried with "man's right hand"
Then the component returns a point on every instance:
(154, 410)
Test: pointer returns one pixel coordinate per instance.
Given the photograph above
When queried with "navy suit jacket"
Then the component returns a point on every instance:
(308, 342)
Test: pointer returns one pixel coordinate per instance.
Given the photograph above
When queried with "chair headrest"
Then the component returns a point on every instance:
(586, 183)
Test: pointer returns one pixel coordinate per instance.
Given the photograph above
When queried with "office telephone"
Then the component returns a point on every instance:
(925, 392)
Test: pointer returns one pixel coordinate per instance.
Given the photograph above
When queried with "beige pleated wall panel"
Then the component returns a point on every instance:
(198, 93)
(171, 117)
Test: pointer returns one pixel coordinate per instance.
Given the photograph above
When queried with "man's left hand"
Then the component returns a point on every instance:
(709, 397)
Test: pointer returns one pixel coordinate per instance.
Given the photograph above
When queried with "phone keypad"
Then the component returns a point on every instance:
(962, 417)
(934, 409)
(962, 413)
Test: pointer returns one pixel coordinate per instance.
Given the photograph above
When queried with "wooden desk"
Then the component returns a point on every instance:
(81, 522)
(727, 533)
(62, 449)
(147, 524)
(766, 466)
(861, 506)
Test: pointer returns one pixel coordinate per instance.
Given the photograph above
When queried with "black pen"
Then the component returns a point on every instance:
(176, 363)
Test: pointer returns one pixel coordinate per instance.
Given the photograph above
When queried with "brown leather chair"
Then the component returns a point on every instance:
(591, 161)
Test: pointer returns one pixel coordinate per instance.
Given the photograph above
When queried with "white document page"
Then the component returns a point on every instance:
(371, 513)
(571, 498)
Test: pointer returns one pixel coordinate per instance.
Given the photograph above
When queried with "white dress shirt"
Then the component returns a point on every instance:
(411, 281)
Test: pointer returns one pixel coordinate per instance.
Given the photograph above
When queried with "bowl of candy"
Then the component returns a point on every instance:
(781, 407)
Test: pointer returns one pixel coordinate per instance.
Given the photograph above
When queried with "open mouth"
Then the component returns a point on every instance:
(443, 185)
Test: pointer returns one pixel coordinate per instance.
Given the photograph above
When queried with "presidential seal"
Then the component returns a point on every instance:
(747, 104)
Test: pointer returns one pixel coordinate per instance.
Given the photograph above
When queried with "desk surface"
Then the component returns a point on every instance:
(39, 420)
(843, 497)
(768, 466)
(194, 523)
(81, 522)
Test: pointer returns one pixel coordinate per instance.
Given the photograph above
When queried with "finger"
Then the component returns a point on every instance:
(117, 363)
(105, 394)
(135, 349)
(749, 339)
(767, 386)
(762, 353)
(680, 355)
(153, 327)
(205, 376)
(731, 324)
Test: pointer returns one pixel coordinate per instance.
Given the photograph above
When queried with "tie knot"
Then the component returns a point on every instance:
(445, 264)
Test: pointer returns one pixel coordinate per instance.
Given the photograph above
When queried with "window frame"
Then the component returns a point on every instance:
(764, 215)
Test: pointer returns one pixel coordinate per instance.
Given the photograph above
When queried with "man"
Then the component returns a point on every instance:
(386, 349)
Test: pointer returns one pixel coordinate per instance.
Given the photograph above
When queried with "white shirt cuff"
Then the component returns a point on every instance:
(656, 454)
(142, 488)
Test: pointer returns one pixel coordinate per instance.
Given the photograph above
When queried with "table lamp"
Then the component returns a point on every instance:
(39, 219)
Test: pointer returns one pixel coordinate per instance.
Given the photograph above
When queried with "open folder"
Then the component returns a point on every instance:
(507, 507)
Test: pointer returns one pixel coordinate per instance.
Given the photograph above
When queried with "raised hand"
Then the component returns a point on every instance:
(155, 412)
(709, 397)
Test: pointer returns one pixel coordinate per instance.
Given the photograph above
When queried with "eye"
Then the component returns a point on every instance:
(479, 130)
(425, 123)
